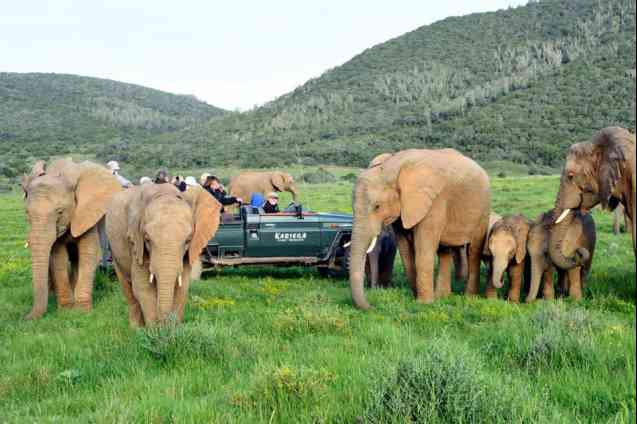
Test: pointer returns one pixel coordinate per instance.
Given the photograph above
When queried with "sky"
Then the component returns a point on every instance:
(231, 54)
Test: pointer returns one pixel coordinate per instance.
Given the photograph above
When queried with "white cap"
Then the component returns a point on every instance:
(144, 180)
(191, 181)
(113, 165)
(203, 177)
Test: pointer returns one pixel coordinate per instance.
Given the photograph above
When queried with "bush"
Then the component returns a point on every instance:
(446, 383)
(351, 177)
(171, 342)
(320, 176)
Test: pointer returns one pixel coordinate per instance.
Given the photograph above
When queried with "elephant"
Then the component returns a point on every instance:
(157, 234)
(505, 251)
(64, 203)
(599, 171)
(619, 214)
(246, 183)
(380, 259)
(432, 198)
(576, 233)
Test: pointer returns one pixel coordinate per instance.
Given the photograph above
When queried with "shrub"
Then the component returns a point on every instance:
(446, 383)
(319, 176)
(351, 177)
(172, 342)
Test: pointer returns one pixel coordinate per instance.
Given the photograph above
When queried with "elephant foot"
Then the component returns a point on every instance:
(83, 306)
(33, 315)
(66, 305)
(529, 299)
(491, 293)
(425, 300)
(514, 300)
(441, 294)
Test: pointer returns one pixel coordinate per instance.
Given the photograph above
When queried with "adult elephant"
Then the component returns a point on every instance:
(433, 198)
(246, 183)
(64, 203)
(157, 234)
(599, 171)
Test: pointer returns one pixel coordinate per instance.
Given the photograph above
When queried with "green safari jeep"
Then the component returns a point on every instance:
(290, 238)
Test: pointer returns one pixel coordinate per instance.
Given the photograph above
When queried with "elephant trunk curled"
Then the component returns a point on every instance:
(41, 239)
(556, 240)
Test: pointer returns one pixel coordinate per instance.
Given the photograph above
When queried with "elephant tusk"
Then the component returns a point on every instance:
(26, 245)
(372, 245)
(151, 278)
(561, 218)
(179, 280)
(347, 244)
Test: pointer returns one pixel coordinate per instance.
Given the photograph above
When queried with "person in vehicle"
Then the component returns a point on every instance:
(256, 202)
(162, 177)
(145, 180)
(178, 181)
(214, 187)
(113, 166)
(272, 204)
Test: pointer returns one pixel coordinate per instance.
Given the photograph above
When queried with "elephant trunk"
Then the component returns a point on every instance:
(168, 274)
(499, 267)
(556, 240)
(362, 237)
(41, 239)
(537, 271)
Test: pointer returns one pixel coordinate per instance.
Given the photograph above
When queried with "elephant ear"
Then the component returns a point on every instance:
(38, 169)
(135, 232)
(419, 187)
(493, 219)
(94, 188)
(379, 159)
(206, 215)
(277, 179)
(609, 151)
(521, 233)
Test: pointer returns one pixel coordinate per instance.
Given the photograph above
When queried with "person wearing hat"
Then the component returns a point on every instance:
(162, 177)
(214, 187)
(203, 178)
(113, 166)
(271, 205)
(145, 180)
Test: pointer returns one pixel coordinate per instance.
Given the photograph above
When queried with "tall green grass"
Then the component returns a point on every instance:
(284, 345)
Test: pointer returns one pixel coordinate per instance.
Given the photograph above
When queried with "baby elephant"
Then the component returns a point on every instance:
(380, 259)
(566, 247)
(157, 234)
(505, 251)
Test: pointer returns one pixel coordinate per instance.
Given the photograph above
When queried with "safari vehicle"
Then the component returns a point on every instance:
(294, 237)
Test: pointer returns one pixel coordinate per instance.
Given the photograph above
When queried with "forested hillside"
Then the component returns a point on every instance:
(53, 114)
(516, 85)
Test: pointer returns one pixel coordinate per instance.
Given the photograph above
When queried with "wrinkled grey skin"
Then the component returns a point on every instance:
(380, 261)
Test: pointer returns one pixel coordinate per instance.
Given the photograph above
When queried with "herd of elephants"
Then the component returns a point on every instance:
(436, 203)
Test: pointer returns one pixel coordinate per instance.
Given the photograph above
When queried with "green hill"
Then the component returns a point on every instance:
(513, 86)
(53, 114)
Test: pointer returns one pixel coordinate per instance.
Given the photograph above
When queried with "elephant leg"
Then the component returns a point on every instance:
(475, 256)
(516, 272)
(443, 281)
(145, 293)
(406, 249)
(372, 261)
(135, 317)
(181, 293)
(562, 282)
(60, 275)
(490, 292)
(548, 293)
(386, 272)
(426, 240)
(87, 252)
(575, 284)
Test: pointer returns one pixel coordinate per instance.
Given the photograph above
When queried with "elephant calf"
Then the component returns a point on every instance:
(380, 259)
(567, 248)
(157, 234)
(505, 251)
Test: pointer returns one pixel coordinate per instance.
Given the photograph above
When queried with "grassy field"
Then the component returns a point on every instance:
(284, 345)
